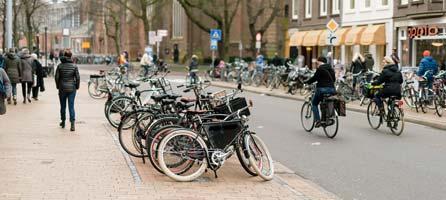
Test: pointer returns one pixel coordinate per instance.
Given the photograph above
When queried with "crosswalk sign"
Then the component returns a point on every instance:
(216, 34)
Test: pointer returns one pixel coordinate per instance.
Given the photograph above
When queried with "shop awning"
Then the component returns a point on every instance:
(340, 34)
(374, 35)
(297, 38)
(354, 35)
(312, 38)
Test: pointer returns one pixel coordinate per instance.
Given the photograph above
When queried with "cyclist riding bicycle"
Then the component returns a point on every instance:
(392, 79)
(193, 69)
(325, 78)
(428, 65)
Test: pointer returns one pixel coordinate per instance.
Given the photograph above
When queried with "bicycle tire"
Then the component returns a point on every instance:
(439, 105)
(243, 157)
(114, 105)
(128, 144)
(397, 113)
(256, 147)
(192, 136)
(372, 110)
(93, 92)
(307, 113)
(335, 124)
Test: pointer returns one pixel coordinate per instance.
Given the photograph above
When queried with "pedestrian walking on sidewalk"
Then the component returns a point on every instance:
(28, 73)
(39, 85)
(5, 90)
(67, 82)
(12, 68)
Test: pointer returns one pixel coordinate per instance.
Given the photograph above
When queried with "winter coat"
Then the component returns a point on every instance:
(7, 84)
(12, 68)
(27, 69)
(324, 76)
(428, 64)
(39, 73)
(392, 79)
(67, 76)
(369, 62)
(357, 66)
(193, 66)
(2, 61)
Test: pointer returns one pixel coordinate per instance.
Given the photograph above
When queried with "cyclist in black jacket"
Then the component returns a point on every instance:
(325, 78)
(392, 79)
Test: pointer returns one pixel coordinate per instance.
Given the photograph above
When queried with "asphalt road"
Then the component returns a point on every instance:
(360, 163)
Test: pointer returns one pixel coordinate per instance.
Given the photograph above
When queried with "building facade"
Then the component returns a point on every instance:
(308, 32)
(371, 29)
(420, 25)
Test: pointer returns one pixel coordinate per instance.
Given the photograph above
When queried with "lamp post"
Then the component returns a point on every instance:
(46, 50)
(9, 23)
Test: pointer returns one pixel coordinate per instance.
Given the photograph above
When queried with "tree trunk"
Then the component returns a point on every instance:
(29, 34)
(117, 38)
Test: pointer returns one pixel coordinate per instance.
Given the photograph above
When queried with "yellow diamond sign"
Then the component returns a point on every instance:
(332, 25)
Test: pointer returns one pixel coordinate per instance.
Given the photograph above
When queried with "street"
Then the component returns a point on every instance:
(360, 161)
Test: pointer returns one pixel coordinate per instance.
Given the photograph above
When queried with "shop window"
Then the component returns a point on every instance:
(436, 47)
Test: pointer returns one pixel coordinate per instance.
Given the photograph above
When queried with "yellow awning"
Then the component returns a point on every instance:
(297, 38)
(341, 34)
(374, 35)
(323, 38)
(312, 38)
(354, 35)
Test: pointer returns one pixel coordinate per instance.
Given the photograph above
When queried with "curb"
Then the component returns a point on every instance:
(440, 126)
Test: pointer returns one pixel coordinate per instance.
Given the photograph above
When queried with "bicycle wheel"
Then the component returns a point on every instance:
(409, 97)
(306, 117)
(331, 127)
(243, 157)
(183, 145)
(131, 140)
(246, 80)
(439, 105)
(152, 147)
(259, 157)
(396, 121)
(257, 80)
(373, 115)
(118, 107)
(93, 90)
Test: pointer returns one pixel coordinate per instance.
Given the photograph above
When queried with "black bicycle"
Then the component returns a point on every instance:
(393, 115)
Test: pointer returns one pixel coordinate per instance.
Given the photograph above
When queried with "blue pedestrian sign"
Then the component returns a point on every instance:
(214, 44)
(216, 34)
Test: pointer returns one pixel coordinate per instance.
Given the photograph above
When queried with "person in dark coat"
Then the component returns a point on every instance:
(39, 85)
(428, 68)
(369, 62)
(6, 90)
(392, 79)
(67, 82)
(2, 59)
(28, 73)
(193, 69)
(357, 67)
(277, 61)
(13, 69)
(325, 78)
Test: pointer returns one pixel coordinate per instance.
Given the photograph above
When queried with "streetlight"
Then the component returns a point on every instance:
(46, 50)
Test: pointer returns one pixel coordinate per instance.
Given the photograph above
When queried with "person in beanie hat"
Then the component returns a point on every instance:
(325, 78)
(12, 68)
(428, 67)
(27, 74)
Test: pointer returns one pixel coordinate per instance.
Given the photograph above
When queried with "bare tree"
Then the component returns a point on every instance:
(221, 13)
(139, 10)
(17, 10)
(30, 8)
(261, 15)
(3, 21)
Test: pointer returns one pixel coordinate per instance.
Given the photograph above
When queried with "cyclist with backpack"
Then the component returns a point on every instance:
(325, 78)
(5, 87)
(428, 67)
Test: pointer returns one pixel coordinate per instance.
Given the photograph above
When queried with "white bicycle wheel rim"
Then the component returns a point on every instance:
(163, 165)
(253, 162)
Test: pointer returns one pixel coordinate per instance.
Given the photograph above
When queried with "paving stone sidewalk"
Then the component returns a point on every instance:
(427, 119)
(39, 160)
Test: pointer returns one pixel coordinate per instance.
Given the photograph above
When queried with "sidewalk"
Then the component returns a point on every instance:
(428, 119)
(39, 160)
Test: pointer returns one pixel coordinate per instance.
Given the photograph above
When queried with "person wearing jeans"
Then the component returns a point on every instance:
(325, 78)
(67, 82)
(27, 74)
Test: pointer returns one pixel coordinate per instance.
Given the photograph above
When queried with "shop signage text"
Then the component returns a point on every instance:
(420, 31)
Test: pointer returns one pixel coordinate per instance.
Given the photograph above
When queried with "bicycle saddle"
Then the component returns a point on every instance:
(158, 98)
(184, 106)
(168, 101)
(132, 85)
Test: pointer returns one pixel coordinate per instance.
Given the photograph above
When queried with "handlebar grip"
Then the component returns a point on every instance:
(186, 90)
(180, 86)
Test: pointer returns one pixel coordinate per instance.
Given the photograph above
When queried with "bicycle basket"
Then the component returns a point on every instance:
(233, 106)
(222, 133)
(370, 90)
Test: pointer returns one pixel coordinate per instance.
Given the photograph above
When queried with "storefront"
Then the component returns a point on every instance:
(414, 38)
(312, 44)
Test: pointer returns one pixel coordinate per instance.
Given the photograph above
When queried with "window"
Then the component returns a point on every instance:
(295, 7)
(177, 19)
(335, 6)
(308, 8)
(385, 2)
(366, 3)
(404, 2)
(352, 4)
(323, 7)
